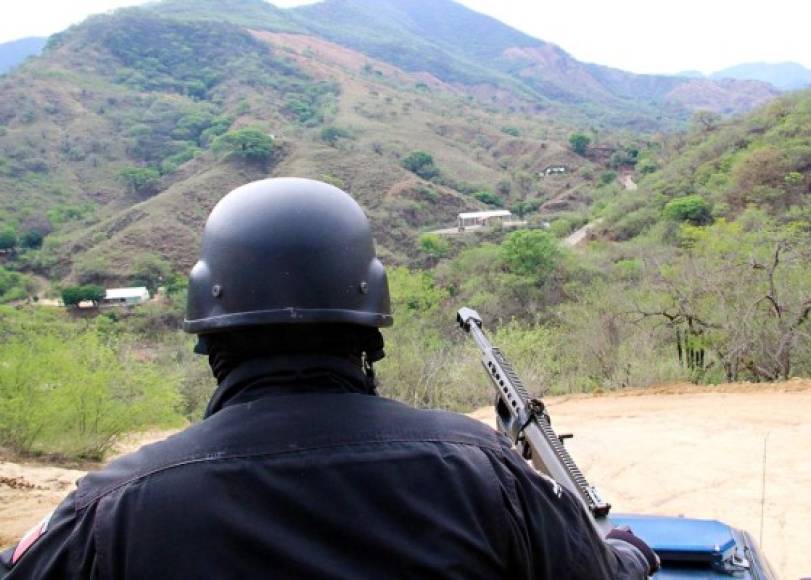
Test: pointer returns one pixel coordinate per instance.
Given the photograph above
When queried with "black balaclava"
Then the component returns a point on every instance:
(363, 346)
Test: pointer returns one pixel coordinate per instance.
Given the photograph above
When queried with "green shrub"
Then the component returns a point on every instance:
(73, 395)
(646, 166)
(562, 227)
(522, 208)
(172, 162)
(691, 208)
(607, 177)
(434, 245)
(579, 143)
(421, 163)
(250, 143)
(489, 198)
(140, 180)
(533, 254)
(8, 238)
(13, 286)
(332, 135)
(73, 295)
(151, 271)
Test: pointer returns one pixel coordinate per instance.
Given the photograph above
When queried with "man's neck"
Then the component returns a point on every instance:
(289, 374)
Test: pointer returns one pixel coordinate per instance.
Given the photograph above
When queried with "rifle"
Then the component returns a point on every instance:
(525, 421)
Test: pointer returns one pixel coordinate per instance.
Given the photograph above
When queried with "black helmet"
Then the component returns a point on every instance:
(286, 251)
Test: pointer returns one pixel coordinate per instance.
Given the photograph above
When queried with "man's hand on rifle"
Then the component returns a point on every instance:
(624, 534)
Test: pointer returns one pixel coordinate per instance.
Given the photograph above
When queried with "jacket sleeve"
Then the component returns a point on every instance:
(551, 534)
(62, 545)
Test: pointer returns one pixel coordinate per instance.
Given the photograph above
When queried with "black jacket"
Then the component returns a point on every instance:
(318, 480)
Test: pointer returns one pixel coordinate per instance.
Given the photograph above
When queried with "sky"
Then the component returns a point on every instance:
(642, 36)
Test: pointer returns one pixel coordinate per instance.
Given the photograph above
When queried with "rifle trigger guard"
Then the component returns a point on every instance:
(535, 409)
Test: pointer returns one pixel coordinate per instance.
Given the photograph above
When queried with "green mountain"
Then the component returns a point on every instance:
(761, 160)
(14, 52)
(120, 138)
(116, 143)
(491, 60)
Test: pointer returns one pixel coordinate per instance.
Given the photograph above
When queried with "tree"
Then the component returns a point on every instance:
(489, 198)
(608, 177)
(531, 253)
(579, 143)
(140, 180)
(332, 135)
(176, 284)
(13, 285)
(737, 302)
(151, 271)
(434, 246)
(421, 163)
(8, 238)
(73, 295)
(691, 208)
(706, 120)
(646, 166)
(250, 143)
(34, 230)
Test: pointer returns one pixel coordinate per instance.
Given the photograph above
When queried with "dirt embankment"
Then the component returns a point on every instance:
(696, 451)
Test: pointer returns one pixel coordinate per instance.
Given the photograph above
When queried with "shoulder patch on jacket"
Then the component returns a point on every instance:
(30, 538)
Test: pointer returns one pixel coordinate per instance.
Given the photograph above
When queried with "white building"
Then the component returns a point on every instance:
(483, 218)
(125, 296)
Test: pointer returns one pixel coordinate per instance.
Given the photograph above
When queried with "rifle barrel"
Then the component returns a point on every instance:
(525, 421)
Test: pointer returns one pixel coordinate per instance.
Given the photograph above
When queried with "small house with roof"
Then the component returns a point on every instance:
(483, 218)
(125, 296)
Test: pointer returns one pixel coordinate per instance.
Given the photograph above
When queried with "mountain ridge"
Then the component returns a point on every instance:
(114, 142)
(785, 76)
(459, 45)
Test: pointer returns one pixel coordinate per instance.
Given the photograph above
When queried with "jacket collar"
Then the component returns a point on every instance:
(288, 374)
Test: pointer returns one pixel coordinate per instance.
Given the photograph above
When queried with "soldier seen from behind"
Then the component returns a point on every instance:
(300, 469)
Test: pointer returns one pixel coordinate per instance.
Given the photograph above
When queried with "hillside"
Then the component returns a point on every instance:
(493, 61)
(118, 140)
(14, 52)
(761, 160)
(109, 142)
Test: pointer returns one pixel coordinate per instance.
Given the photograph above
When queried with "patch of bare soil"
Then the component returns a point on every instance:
(698, 452)
(30, 490)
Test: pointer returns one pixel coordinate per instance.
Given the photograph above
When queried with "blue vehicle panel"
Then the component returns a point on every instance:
(698, 549)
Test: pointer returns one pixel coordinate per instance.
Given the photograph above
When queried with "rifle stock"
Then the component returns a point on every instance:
(525, 421)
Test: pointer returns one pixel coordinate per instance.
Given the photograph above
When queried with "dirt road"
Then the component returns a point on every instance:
(627, 181)
(670, 451)
(699, 452)
(581, 235)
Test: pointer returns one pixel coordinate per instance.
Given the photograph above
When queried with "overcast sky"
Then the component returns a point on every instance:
(643, 36)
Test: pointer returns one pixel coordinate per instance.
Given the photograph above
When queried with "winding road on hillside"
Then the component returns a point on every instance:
(581, 235)
(574, 239)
